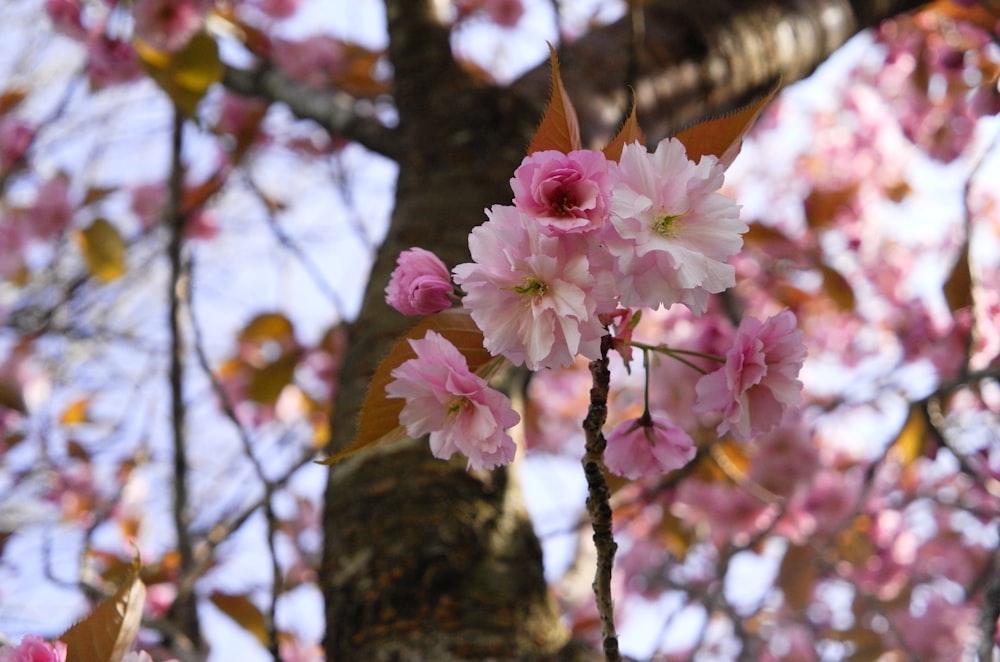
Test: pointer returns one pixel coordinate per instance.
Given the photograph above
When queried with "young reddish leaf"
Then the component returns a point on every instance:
(823, 205)
(10, 98)
(103, 249)
(723, 136)
(76, 412)
(268, 381)
(837, 288)
(958, 286)
(559, 128)
(909, 443)
(379, 417)
(185, 75)
(246, 614)
(629, 133)
(107, 633)
(265, 327)
(797, 577)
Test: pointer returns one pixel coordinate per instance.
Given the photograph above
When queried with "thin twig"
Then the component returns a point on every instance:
(599, 498)
(267, 501)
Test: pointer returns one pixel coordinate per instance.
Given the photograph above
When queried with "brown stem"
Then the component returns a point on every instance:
(599, 498)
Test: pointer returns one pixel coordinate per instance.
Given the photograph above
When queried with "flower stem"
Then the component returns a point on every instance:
(599, 498)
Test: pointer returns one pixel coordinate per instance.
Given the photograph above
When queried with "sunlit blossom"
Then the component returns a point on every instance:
(672, 230)
(536, 298)
(457, 408)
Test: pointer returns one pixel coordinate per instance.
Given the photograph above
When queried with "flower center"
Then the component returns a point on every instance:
(664, 225)
(532, 287)
(456, 405)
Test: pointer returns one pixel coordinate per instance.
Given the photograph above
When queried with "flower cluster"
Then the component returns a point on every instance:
(35, 649)
(585, 240)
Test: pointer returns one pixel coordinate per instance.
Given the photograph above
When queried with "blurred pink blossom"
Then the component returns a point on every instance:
(758, 382)
(314, 60)
(15, 139)
(505, 13)
(647, 446)
(33, 649)
(168, 24)
(459, 410)
(110, 61)
(420, 284)
(66, 17)
(51, 213)
(277, 9)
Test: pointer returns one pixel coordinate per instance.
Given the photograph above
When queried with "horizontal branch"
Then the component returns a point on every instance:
(334, 110)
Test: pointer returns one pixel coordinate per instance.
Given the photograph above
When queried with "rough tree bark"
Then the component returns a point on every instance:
(423, 560)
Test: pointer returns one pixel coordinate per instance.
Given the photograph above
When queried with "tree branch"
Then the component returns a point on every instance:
(185, 609)
(334, 110)
(599, 499)
(701, 59)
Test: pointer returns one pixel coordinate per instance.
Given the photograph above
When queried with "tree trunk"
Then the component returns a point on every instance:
(422, 559)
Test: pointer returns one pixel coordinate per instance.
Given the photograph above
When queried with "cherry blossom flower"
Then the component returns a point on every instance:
(15, 139)
(758, 382)
(459, 410)
(110, 61)
(33, 649)
(505, 13)
(66, 17)
(564, 192)
(167, 24)
(536, 298)
(420, 284)
(314, 60)
(277, 9)
(647, 446)
(673, 231)
(51, 213)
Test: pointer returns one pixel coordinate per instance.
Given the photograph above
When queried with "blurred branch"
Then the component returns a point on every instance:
(185, 609)
(334, 110)
(269, 487)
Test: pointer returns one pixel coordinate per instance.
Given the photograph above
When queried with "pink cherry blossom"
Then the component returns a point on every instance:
(505, 13)
(32, 649)
(167, 24)
(66, 17)
(420, 284)
(758, 382)
(110, 61)
(564, 192)
(459, 410)
(536, 298)
(277, 9)
(13, 238)
(314, 60)
(672, 230)
(647, 446)
(15, 139)
(48, 217)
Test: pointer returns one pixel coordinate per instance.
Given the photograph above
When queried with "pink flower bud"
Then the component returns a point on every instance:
(420, 284)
